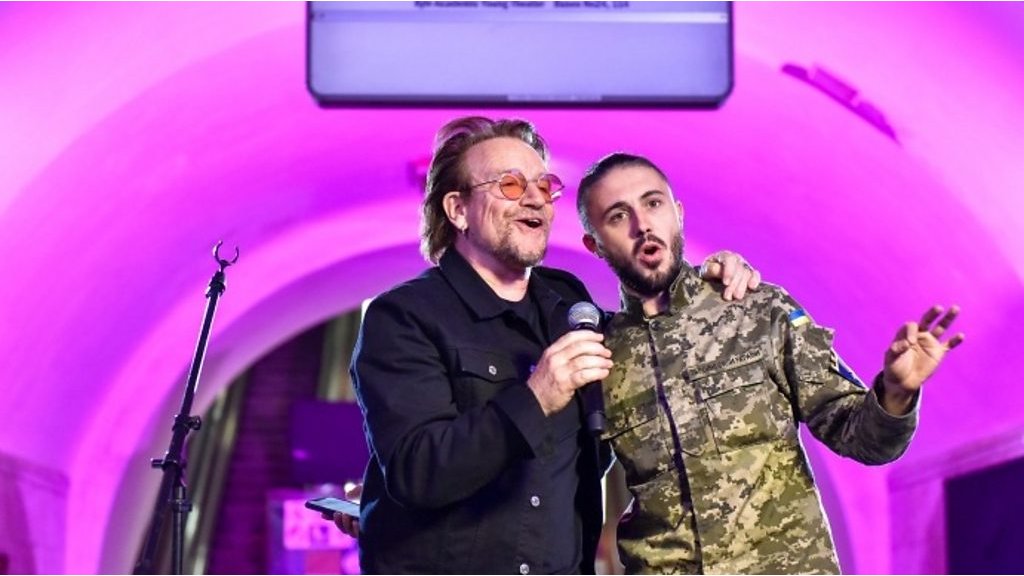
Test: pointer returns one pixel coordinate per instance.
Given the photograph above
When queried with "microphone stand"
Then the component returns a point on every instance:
(172, 492)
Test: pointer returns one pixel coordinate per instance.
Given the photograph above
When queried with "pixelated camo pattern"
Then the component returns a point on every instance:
(737, 378)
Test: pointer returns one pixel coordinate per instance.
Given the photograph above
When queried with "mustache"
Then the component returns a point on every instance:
(639, 244)
(527, 214)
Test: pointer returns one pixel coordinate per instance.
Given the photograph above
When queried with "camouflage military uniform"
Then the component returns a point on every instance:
(719, 479)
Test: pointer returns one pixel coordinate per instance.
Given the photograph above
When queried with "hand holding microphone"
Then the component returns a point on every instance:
(576, 359)
(586, 316)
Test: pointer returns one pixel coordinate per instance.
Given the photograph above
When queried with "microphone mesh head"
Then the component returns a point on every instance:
(584, 315)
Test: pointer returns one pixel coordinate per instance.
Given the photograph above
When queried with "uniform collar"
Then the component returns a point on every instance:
(682, 292)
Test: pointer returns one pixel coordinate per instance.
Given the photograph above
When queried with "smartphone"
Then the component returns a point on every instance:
(331, 505)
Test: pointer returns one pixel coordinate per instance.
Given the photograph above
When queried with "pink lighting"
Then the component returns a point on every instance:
(137, 135)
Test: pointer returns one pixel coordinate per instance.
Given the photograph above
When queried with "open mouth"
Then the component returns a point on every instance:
(650, 249)
(649, 252)
(533, 223)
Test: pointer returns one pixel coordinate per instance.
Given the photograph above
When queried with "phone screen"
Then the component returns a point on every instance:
(330, 505)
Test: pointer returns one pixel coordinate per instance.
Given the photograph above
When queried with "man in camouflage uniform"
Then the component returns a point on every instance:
(705, 396)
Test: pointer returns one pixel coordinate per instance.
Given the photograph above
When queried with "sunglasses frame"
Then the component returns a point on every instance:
(523, 182)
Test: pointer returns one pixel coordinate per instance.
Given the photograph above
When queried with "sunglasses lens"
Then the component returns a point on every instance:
(550, 185)
(512, 186)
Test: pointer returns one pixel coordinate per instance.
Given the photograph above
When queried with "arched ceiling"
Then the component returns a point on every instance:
(137, 135)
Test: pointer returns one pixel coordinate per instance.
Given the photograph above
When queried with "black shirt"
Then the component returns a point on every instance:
(466, 474)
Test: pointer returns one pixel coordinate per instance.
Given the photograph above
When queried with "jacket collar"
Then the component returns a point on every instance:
(481, 299)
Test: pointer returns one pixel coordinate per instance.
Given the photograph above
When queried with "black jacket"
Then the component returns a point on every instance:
(457, 480)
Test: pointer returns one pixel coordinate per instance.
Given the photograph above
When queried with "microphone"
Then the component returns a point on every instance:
(586, 316)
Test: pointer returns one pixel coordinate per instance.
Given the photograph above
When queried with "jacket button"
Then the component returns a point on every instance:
(492, 370)
(534, 501)
(524, 568)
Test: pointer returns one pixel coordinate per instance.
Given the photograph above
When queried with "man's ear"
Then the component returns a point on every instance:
(455, 209)
(591, 243)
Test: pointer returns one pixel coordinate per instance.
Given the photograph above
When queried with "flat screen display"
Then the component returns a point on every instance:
(520, 53)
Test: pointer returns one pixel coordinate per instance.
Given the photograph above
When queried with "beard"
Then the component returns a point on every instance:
(643, 282)
(515, 255)
(512, 255)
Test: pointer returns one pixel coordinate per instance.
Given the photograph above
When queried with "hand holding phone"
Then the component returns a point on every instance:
(329, 505)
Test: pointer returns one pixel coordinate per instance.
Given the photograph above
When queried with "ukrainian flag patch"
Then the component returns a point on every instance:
(798, 318)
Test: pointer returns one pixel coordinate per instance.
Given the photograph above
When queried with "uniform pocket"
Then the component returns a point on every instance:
(659, 504)
(738, 400)
(640, 436)
(812, 353)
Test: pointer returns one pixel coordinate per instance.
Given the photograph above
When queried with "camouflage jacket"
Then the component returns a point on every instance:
(703, 406)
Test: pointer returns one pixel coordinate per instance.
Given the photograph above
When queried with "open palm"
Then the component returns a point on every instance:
(917, 350)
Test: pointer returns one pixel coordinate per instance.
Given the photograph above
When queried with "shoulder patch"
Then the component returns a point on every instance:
(846, 373)
(798, 318)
